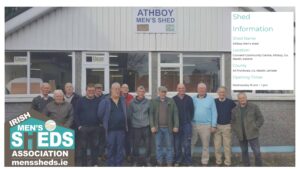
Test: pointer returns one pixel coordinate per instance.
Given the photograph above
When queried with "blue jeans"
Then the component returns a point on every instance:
(182, 141)
(164, 137)
(115, 147)
(254, 144)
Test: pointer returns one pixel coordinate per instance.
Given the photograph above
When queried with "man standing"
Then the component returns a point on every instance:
(246, 120)
(204, 122)
(112, 111)
(88, 125)
(70, 95)
(39, 103)
(223, 134)
(139, 117)
(125, 93)
(102, 143)
(99, 92)
(128, 141)
(59, 110)
(182, 139)
(163, 122)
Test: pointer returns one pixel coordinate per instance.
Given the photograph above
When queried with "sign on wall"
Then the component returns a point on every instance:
(155, 20)
(262, 51)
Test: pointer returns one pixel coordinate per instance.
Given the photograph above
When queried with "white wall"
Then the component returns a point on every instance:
(112, 29)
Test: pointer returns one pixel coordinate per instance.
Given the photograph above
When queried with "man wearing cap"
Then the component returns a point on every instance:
(102, 143)
(163, 122)
(99, 92)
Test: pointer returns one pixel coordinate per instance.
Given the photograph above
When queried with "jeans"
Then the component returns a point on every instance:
(254, 144)
(182, 141)
(115, 147)
(164, 137)
(141, 135)
(89, 138)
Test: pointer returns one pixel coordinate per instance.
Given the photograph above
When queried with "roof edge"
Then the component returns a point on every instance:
(24, 18)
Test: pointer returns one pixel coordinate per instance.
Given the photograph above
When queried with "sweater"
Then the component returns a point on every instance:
(205, 111)
(224, 109)
(185, 108)
(86, 112)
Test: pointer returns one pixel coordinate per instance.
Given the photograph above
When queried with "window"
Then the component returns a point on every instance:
(189, 69)
(52, 67)
(169, 58)
(95, 67)
(95, 75)
(170, 78)
(131, 68)
(16, 72)
(25, 71)
(201, 69)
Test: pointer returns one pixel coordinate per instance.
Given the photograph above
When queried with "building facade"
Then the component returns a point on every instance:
(101, 45)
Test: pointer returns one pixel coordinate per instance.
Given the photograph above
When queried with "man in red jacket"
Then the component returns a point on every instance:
(128, 98)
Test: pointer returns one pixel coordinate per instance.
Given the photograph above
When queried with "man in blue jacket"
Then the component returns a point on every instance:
(112, 111)
(182, 139)
(205, 120)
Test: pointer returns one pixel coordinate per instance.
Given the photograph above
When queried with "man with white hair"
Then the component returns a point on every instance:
(70, 95)
(223, 135)
(204, 121)
(113, 112)
(59, 110)
(39, 103)
(246, 121)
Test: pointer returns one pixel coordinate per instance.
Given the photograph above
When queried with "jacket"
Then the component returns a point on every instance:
(173, 120)
(253, 121)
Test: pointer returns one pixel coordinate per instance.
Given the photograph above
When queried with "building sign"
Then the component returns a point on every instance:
(32, 139)
(262, 51)
(155, 20)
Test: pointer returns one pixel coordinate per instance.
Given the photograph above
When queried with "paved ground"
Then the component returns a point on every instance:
(269, 159)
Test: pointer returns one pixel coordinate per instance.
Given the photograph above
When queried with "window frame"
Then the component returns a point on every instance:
(180, 66)
(107, 70)
(28, 97)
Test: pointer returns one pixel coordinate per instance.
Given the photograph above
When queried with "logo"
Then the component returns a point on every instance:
(32, 139)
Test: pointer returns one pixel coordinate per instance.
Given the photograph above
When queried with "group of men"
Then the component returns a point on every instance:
(118, 124)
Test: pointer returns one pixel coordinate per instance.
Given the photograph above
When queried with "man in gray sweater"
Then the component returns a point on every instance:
(59, 110)
(138, 111)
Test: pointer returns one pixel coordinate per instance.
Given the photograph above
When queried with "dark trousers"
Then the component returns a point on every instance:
(102, 141)
(182, 141)
(254, 144)
(115, 147)
(128, 142)
(89, 138)
(141, 135)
